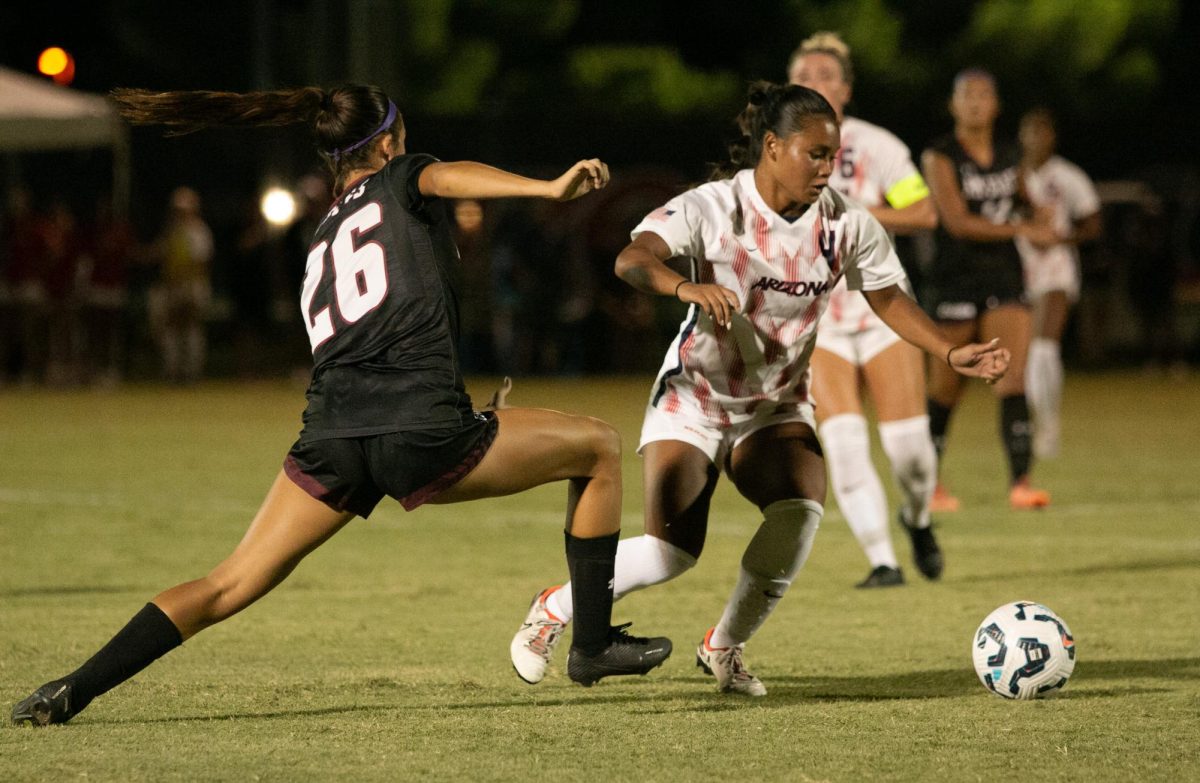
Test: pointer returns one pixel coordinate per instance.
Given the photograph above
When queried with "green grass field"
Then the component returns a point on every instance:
(385, 656)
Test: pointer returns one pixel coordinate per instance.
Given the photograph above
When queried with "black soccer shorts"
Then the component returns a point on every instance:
(414, 466)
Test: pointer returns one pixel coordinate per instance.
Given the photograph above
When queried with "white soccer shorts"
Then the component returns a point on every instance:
(718, 441)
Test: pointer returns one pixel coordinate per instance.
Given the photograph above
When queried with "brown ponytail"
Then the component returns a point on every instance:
(342, 119)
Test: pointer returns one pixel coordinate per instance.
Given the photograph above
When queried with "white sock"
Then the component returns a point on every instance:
(1043, 387)
(909, 447)
(771, 561)
(641, 561)
(857, 487)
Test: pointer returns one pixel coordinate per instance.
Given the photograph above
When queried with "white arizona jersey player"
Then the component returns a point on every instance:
(1052, 273)
(875, 168)
(783, 273)
(1063, 187)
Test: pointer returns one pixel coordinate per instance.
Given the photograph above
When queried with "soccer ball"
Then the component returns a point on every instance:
(1023, 651)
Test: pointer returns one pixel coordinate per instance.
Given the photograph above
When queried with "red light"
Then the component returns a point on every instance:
(58, 64)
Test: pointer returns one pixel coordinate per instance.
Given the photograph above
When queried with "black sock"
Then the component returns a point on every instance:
(1015, 430)
(144, 639)
(939, 423)
(591, 562)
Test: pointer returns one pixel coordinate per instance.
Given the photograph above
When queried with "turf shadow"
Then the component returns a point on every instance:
(1129, 566)
(784, 691)
(26, 592)
(954, 683)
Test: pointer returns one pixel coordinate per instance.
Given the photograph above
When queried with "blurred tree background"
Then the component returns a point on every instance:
(651, 87)
(547, 80)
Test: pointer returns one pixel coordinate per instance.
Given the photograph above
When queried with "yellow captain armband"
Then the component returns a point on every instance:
(907, 191)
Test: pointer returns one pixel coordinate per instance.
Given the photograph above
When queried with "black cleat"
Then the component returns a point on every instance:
(50, 703)
(882, 576)
(926, 552)
(625, 654)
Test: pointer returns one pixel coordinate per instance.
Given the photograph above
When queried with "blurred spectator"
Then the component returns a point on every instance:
(634, 325)
(110, 246)
(519, 310)
(474, 284)
(1142, 238)
(60, 276)
(178, 302)
(250, 289)
(25, 260)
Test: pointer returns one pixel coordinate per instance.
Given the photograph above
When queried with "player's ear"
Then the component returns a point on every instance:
(771, 145)
(388, 147)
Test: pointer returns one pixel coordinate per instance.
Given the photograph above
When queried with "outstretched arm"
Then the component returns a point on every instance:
(642, 264)
(901, 313)
(959, 221)
(466, 179)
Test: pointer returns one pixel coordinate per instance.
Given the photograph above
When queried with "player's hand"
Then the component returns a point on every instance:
(581, 179)
(980, 360)
(718, 302)
(1040, 235)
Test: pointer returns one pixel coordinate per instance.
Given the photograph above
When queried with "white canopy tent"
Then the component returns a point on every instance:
(37, 116)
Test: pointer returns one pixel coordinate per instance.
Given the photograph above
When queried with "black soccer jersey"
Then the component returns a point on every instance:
(380, 311)
(992, 193)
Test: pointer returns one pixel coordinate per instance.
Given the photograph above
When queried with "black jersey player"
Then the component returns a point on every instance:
(975, 288)
(387, 411)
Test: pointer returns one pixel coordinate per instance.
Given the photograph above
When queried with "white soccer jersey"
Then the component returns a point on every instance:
(1064, 187)
(873, 167)
(782, 273)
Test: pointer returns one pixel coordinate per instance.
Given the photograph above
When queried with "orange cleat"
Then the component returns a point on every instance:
(942, 501)
(1023, 497)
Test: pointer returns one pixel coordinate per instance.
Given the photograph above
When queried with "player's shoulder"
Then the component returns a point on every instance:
(946, 144)
(835, 204)
(876, 136)
(1066, 169)
(715, 196)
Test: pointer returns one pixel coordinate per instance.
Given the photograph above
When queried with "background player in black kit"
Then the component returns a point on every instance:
(976, 288)
(387, 411)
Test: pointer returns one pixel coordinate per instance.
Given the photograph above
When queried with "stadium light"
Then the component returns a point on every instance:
(58, 64)
(278, 206)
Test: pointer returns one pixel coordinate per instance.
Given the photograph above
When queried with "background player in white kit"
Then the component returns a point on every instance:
(854, 347)
(1052, 273)
(769, 242)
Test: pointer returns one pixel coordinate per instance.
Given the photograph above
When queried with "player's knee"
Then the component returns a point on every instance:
(909, 448)
(784, 540)
(603, 443)
(848, 450)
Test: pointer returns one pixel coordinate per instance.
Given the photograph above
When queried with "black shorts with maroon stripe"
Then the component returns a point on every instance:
(353, 474)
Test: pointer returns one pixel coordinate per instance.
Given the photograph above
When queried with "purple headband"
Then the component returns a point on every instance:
(387, 121)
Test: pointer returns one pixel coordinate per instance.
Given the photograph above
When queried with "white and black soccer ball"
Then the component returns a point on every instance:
(1023, 651)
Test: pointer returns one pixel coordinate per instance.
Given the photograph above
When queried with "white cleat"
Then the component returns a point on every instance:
(725, 663)
(534, 644)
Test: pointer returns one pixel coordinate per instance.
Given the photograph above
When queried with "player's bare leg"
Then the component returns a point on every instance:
(534, 447)
(1013, 325)
(846, 440)
(945, 388)
(896, 380)
(679, 481)
(782, 471)
(1044, 372)
(288, 526)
